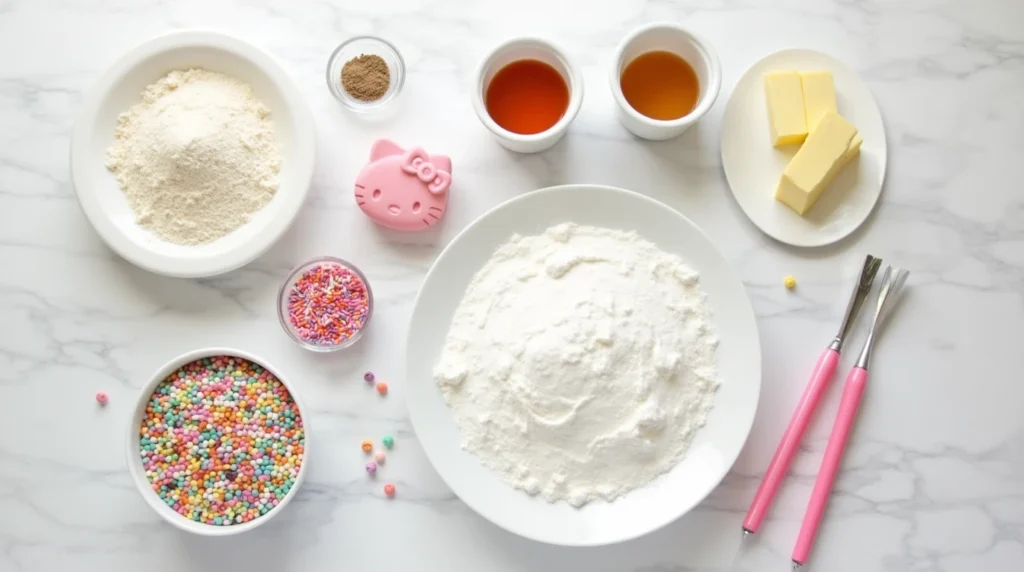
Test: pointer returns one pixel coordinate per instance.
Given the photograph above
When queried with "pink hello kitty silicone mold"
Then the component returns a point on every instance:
(404, 190)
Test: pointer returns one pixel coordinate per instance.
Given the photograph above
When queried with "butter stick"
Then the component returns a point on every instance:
(832, 144)
(819, 96)
(787, 121)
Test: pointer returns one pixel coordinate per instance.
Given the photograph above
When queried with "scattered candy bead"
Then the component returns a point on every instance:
(388, 441)
(371, 468)
(380, 457)
(389, 489)
(221, 441)
(382, 388)
(367, 446)
(101, 398)
(328, 305)
(789, 282)
(368, 377)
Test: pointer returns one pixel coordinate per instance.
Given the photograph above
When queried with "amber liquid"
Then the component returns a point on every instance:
(527, 97)
(660, 85)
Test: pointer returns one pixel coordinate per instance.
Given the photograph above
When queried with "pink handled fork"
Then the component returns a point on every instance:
(820, 379)
(892, 283)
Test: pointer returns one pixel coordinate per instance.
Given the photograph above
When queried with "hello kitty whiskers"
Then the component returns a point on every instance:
(404, 190)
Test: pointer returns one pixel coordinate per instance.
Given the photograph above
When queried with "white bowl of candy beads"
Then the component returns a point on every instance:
(197, 463)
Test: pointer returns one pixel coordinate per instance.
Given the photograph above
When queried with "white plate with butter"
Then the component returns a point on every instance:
(753, 167)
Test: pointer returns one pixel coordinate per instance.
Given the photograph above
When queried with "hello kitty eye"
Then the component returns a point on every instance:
(416, 207)
(376, 194)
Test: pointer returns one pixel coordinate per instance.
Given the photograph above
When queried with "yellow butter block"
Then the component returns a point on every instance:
(827, 149)
(787, 121)
(853, 150)
(819, 96)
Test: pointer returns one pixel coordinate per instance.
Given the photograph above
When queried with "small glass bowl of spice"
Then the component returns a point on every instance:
(325, 304)
(365, 73)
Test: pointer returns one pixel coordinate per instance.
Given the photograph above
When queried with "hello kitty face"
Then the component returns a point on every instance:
(404, 190)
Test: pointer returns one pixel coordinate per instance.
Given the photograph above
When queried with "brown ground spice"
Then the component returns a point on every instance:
(366, 77)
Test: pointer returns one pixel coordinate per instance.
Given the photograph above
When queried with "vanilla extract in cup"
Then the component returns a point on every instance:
(527, 93)
(527, 96)
(660, 85)
(664, 79)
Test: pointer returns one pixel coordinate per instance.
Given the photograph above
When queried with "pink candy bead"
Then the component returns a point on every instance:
(101, 398)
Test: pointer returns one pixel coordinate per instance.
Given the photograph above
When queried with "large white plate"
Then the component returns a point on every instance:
(121, 87)
(752, 166)
(717, 444)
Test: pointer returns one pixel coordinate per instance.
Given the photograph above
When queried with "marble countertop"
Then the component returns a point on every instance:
(934, 478)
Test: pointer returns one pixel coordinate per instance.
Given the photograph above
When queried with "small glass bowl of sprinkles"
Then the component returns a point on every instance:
(365, 74)
(325, 304)
(217, 444)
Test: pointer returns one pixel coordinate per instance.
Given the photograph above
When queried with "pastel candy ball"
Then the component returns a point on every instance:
(221, 441)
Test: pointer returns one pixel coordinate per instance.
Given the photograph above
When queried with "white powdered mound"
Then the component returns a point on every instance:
(580, 363)
(197, 157)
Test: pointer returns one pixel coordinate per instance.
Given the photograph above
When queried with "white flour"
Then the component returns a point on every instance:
(197, 157)
(580, 363)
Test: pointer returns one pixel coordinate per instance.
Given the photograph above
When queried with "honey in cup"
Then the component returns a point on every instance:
(660, 85)
(527, 97)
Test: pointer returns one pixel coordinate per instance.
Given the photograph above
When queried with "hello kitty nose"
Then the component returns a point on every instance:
(394, 209)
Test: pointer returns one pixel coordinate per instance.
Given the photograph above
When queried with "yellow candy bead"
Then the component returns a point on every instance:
(789, 282)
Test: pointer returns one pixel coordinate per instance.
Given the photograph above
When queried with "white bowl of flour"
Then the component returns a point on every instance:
(583, 366)
(123, 193)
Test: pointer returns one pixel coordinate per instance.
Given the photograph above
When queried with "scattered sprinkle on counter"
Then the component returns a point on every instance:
(789, 282)
(368, 377)
(371, 468)
(101, 398)
(388, 441)
(367, 446)
(382, 388)
(221, 441)
(389, 489)
(328, 305)
(380, 457)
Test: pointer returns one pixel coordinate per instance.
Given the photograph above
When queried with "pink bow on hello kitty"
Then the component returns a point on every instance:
(417, 162)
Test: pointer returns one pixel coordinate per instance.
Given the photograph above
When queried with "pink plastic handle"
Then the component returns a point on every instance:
(820, 378)
(852, 393)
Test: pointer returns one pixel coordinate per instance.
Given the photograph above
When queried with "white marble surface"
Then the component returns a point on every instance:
(935, 476)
